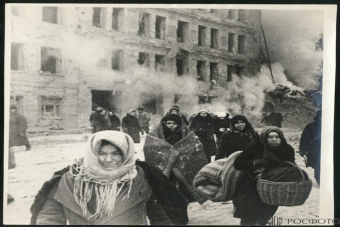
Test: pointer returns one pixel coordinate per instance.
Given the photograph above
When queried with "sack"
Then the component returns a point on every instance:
(11, 159)
(218, 181)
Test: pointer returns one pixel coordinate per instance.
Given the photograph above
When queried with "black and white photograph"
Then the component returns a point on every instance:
(143, 114)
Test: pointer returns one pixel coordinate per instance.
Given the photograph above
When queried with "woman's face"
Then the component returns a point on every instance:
(204, 114)
(274, 139)
(240, 125)
(110, 157)
(172, 125)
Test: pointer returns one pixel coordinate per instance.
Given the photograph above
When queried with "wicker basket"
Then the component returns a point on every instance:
(284, 193)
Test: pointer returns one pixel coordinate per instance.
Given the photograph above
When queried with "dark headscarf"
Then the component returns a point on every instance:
(236, 118)
(264, 137)
(172, 117)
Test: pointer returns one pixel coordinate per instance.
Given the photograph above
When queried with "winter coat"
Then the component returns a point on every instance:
(17, 130)
(144, 119)
(249, 206)
(310, 144)
(203, 127)
(225, 123)
(101, 122)
(151, 195)
(115, 122)
(232, 141)
(131, 126)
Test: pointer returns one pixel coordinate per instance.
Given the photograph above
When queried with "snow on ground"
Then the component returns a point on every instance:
(52, 153)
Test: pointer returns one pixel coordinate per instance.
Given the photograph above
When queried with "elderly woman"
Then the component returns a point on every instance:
(131, 125)
(270, 152)
(241, 134)
(107, 187)
(203, 126)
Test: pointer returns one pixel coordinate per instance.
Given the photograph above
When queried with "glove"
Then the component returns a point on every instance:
(273, 160)
(261, 163)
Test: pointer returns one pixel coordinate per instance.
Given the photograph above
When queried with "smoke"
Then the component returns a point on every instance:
(291, 38)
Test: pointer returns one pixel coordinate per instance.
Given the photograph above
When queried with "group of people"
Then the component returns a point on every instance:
(107, 186)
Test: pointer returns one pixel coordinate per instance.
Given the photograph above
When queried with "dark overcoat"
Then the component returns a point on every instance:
(131, 126)
(17, 130)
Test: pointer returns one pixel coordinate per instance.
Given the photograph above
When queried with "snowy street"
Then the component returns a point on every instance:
(52, 153)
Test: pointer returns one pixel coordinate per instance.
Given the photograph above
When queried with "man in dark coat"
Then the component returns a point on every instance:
(144, 120)
(310, 145)
(222, 124)
(101, 120)
(17, 129)
(175, 110)
(131, 125)
(107, 187)
(203, 126)
(115, 122)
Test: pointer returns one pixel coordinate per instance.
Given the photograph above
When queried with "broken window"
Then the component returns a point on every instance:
(213, 71)
(241, 44)
(201, 35)
(144, 19)
(160, 27)
(15, 10)
(96, 17)
(143, 59)
(182, 28)
(159, 62)
(116, 18)
(181, 64)
(231, 14)
(200, 70)
(50, 60)
(214, 38)
(117, 60)
(241, 15)
(230, 73)
(231, 42)
(50, 14)
(239, 70)
(17, 56)
(50, 107)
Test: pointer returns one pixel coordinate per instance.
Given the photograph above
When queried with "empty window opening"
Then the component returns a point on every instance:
(50, 60)
(116, 19)
(181, 64)
(182, 28)
(231, 14)
(239, 70)
(200, 70)
(159, 62)
(160, 27)
(15, 10)
(201, 35)
(96, 18)
(144, 19)
(143, 59)
(50, 14)
(230, 73)
(214, 38)
(117, 60)
(50, 107)
(241, 15)
(241, 44)
(17, 56)
(231, 42)
(213, 71)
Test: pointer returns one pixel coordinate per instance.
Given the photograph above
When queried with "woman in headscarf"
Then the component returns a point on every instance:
(240, 135)
(131, 125)
(203, 126)
(270, 152)
(222, 124)
(107, 188)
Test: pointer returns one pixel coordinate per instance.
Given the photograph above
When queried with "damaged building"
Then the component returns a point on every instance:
(52, 83)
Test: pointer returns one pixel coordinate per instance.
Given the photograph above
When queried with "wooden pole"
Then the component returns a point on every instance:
(269, 64)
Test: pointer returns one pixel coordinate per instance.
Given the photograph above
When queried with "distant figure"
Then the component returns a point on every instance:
(175, 110)
(17, 129)
(222, 124)
(115, 122)
(101, 120)
(203, 126)
(144, 119)
(310, 145)
(131, 126)
(273, 119)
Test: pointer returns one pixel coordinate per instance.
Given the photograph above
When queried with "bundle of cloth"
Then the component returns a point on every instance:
(218, 180)
(284, 174)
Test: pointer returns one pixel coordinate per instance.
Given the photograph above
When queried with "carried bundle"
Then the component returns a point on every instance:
(218, 180)
(284, 186)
